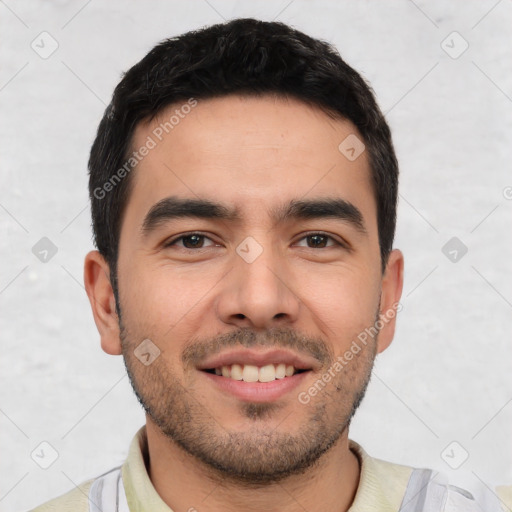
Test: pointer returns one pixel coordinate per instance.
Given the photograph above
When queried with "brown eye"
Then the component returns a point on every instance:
(190, 241)
(319, 241)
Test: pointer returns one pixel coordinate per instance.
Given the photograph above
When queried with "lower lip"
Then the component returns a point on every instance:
(257, 391)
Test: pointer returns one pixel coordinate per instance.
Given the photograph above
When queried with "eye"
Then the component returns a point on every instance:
(190, 241)
(319, 240)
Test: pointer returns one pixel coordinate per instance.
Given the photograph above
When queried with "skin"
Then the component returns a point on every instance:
(253, 153)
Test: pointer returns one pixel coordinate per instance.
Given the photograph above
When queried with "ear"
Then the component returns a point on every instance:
(391, 291)
(103, 304)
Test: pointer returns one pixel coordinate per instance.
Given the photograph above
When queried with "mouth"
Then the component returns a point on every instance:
(256, 376)
(253, 373)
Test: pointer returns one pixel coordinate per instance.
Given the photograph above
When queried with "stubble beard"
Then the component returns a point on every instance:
(258, 456)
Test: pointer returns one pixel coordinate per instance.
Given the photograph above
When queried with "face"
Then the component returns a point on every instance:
(249, 257)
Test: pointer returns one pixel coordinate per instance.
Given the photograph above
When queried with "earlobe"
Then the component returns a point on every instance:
(101, 296)
(391, 292)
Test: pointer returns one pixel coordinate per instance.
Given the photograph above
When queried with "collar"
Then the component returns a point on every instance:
(381, 484)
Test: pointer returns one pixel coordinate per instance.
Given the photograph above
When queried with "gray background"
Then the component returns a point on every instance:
(445, 378)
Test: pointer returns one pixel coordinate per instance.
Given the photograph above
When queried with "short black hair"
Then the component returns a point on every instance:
(243, 56)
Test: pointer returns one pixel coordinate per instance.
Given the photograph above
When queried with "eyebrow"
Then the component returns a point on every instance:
(176, 207)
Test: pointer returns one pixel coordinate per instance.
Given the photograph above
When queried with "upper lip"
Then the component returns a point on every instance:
(259, 358)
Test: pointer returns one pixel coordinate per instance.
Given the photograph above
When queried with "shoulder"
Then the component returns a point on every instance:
(504, 493)
(389, 487)
(382, 484)
(76, 500)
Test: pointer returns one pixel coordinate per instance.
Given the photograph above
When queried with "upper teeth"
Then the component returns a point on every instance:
(251, 373)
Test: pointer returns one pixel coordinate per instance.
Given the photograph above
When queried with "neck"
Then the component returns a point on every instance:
(184, 483)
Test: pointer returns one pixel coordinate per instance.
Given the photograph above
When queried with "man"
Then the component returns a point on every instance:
(243, 185)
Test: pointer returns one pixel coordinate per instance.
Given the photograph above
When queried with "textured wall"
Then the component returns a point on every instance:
(446, 376)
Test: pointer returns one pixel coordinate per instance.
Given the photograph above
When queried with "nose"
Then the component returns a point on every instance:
(259, 294)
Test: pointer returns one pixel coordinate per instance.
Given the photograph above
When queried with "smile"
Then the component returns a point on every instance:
(252, 373)
(257, 375)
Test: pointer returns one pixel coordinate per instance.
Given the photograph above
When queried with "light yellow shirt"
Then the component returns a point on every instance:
(381, 486)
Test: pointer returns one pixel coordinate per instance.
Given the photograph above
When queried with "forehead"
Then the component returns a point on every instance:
(249, 152)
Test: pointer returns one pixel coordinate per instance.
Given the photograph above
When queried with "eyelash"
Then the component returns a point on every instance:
(314, 233)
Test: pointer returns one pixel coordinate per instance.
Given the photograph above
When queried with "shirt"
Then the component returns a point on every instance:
(383, 487)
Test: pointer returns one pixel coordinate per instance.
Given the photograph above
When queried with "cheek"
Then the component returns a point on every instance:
(346, 302)
(161, 300)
